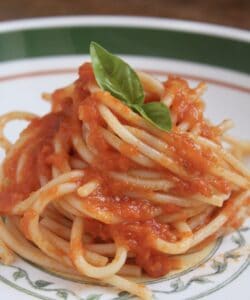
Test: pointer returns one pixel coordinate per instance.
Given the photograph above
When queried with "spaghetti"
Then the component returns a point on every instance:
(94, 189)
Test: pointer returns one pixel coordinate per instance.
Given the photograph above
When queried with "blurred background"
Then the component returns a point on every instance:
(224, 12)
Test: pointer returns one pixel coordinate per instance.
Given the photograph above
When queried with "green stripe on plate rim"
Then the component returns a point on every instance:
(166, 43)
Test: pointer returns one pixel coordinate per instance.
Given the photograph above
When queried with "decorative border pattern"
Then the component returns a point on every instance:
(217, 266)
(175, 285)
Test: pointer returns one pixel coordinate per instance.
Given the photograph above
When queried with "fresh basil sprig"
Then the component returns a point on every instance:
(117, 77)
(114, 75)
(156, 113)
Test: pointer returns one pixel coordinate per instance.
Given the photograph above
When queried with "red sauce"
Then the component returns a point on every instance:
(123, 207)
(200, 185)
(41, 132)
(24, 223)
(171, 208)
(138, 227)
(107, 157)
(140, 237)
(156, 264)
(43, 163)
(188, 108)
(99, 231)
(8, 199)
(86, 74)
(189, 155)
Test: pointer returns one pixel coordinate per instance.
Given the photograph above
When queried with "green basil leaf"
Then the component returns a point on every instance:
(115, 76)
(156, 113)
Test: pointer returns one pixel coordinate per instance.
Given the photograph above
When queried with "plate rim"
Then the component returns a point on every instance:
(128, 21)
(184, 26)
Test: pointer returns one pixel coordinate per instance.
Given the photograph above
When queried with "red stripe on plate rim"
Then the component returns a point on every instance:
(156, 72)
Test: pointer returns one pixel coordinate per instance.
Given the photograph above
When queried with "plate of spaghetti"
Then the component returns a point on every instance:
(124, 159)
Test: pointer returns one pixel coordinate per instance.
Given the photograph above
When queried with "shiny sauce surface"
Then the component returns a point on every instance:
(75, 111)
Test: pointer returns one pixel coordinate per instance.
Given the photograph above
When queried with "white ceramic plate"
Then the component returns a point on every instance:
(41, 55)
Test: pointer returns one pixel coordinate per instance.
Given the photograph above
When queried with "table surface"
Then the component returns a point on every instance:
(225, 12)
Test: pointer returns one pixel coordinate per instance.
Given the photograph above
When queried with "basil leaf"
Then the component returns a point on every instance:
(115, 76)
(156, 113)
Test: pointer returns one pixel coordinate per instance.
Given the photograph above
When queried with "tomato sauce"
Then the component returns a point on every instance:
(140, 238)
(24, 223)
(124, 207)
(188, 154)
(138, 228)
(37, 148)
(187, 107)
(106, 157)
